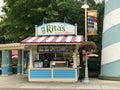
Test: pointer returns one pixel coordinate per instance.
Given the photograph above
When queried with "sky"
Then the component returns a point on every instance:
(98, 1)
(1, 4)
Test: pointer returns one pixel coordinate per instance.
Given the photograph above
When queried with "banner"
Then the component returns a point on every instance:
(92, 22)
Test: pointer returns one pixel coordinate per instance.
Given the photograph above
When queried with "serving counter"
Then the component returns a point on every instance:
(53, 74)
(53, 65)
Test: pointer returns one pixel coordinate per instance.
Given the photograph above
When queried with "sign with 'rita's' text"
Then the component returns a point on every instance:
(56, 28)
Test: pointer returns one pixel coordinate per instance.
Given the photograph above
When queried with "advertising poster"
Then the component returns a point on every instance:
(92, 22)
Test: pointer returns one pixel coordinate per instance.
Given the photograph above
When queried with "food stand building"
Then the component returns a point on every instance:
(53, 52)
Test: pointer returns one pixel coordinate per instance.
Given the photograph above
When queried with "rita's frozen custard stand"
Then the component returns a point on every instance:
(54, 53)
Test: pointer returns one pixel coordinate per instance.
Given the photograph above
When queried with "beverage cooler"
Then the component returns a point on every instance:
(38, 64)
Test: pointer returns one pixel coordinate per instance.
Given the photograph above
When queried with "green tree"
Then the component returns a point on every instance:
(98, 38)
(22, 16)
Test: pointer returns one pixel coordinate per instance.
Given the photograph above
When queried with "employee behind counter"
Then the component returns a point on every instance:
(46, 60)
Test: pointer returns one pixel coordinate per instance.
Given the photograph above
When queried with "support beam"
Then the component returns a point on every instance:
(4, 63)
(10, 70)
(19, 65)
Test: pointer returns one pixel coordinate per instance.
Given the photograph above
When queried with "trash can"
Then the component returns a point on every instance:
(94, 64)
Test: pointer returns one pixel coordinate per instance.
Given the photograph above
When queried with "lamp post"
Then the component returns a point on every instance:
(86, 78)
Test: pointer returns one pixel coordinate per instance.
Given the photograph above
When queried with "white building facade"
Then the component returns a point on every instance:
(110, 64)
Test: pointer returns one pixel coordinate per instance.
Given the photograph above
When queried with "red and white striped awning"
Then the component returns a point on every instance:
(53, 40)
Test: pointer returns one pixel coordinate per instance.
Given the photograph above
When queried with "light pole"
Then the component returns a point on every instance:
(86, 78)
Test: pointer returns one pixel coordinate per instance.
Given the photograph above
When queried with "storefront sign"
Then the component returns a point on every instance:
(56, 28)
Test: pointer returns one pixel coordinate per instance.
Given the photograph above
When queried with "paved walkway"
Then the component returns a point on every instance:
(21, 82)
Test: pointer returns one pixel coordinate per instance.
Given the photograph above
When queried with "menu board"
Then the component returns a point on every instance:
(55, 48)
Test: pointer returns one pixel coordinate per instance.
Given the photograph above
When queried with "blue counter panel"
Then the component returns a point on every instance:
(4, 70)
(64, 73)
(19, 69)
(40, 74)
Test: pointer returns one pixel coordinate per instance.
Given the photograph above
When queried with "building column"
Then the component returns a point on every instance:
(23, 62)
(31, 57)
(19, 65)
(110, 63)
(75, 57)
(4, 64)
(10, 62)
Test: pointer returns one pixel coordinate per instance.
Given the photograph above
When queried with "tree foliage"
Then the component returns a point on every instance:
(22, 16)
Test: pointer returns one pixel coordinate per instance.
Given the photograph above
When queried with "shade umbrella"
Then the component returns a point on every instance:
(92, 55)
(15, 57)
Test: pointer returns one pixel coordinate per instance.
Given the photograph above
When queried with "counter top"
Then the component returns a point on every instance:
(55, 68)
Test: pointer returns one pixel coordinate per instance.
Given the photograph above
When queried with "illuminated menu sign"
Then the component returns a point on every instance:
(55, 48)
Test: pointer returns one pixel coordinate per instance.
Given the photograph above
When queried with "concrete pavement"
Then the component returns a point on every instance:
(20, 82)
